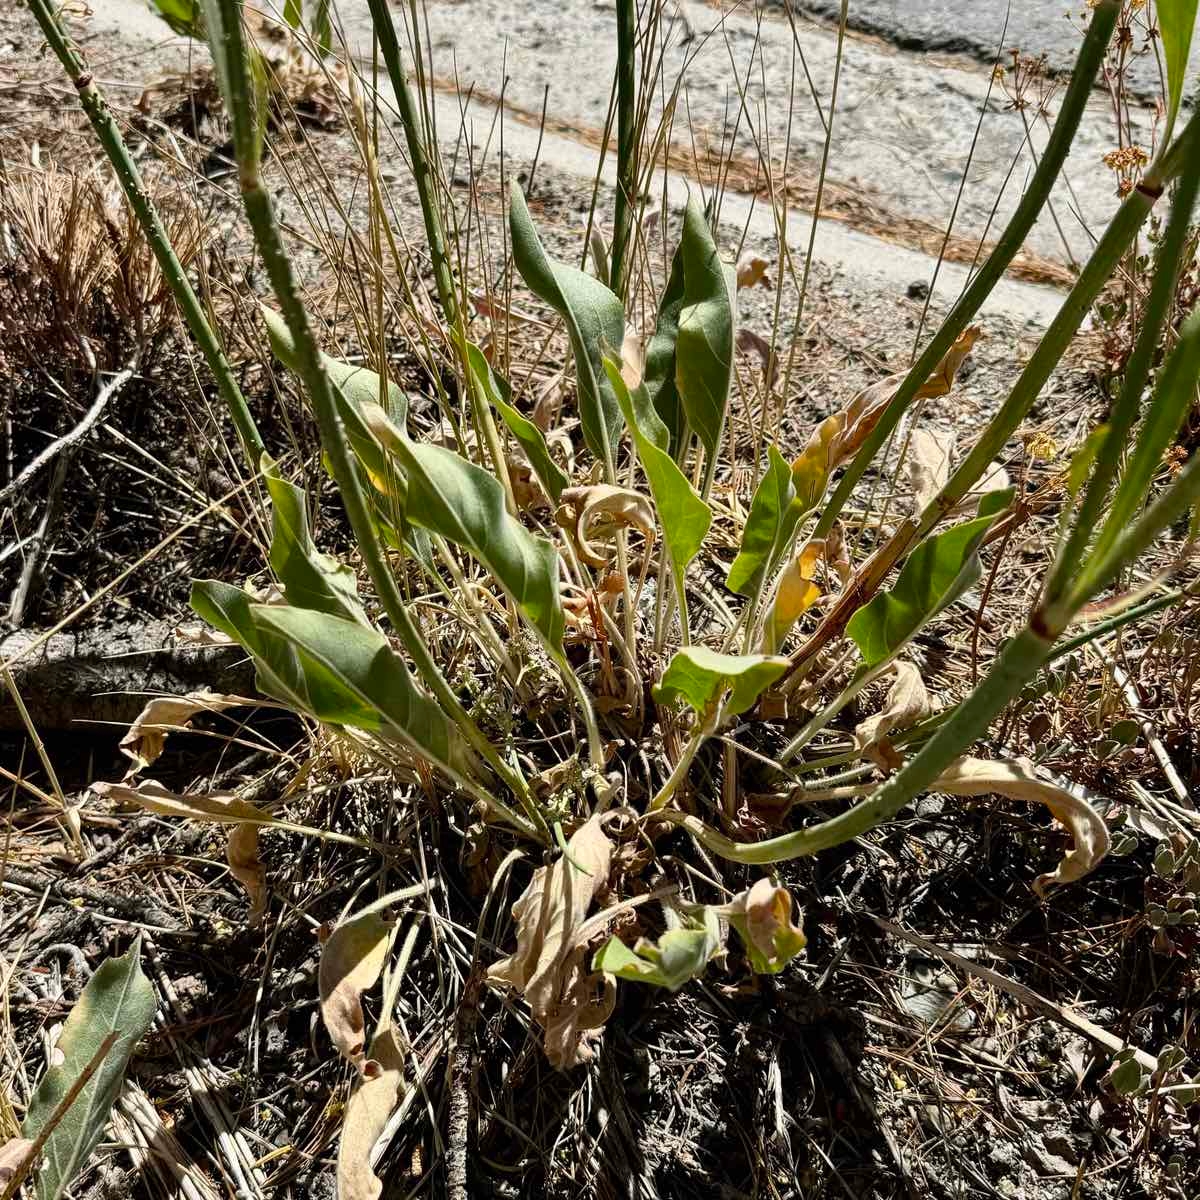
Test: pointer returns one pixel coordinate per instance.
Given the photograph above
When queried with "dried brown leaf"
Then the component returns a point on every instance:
(366, 1116)
(907, 703)
(929, 457)
(1018, 779)
(598, 510)
(352, 960)
(166, 714)
(241, 852)
(752, 272)
(222, 807)
(547, 966)
(633, 359)
(750, 342)
(13, 1155)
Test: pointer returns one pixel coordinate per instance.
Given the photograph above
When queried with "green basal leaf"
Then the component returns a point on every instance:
(348, 674)
(323, 27)
(678, 956)
(359, 384)
(310, 579)
(701, 677)
(768, 527)
(936, 573)
(183, 16)
(529, 436)
(292, 14)
(1177, 24)
(117, 999)
(704, 345)
(684, 517)
(594, 319)
(464, 504)
(279, 671)
(658, 376)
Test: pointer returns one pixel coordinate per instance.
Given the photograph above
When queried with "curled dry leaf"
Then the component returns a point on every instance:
(929, 456)
(907, 703)
(839, 437)
(221, 808)
(750, 342)
(241, 852)
(366, 1116)
(1018, 779)
(762, 916)
(836, 556)
(598, 510)
(547, 966)
(752, 272)
(165, 714)
(224, 808)
(351, 962)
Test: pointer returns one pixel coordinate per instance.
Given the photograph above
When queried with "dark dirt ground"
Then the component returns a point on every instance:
(827, 1081)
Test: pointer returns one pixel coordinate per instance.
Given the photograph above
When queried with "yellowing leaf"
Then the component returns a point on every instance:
(840, 436)
(795, 594)
(598, 511)
(148, 734)
(546, 967)
(762, 916)
(1018, 779)
(351, 962)
(907, 703)
(366, 1116)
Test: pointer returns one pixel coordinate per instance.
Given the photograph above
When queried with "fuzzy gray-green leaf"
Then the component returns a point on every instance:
(594, 319)
(348, 674)
(529, 436)
(702, 676)
(704, 346)
(464, 504)
(310, 579)
(117, 999)
(683, 515)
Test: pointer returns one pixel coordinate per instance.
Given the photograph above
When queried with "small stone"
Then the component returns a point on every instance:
(918, 290)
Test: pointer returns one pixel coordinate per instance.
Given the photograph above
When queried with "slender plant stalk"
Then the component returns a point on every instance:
(257, 203)
(1168, 264)
(1091, 55)
(626, 145)
(1112, 246)
(109, 136)
(423, 173)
